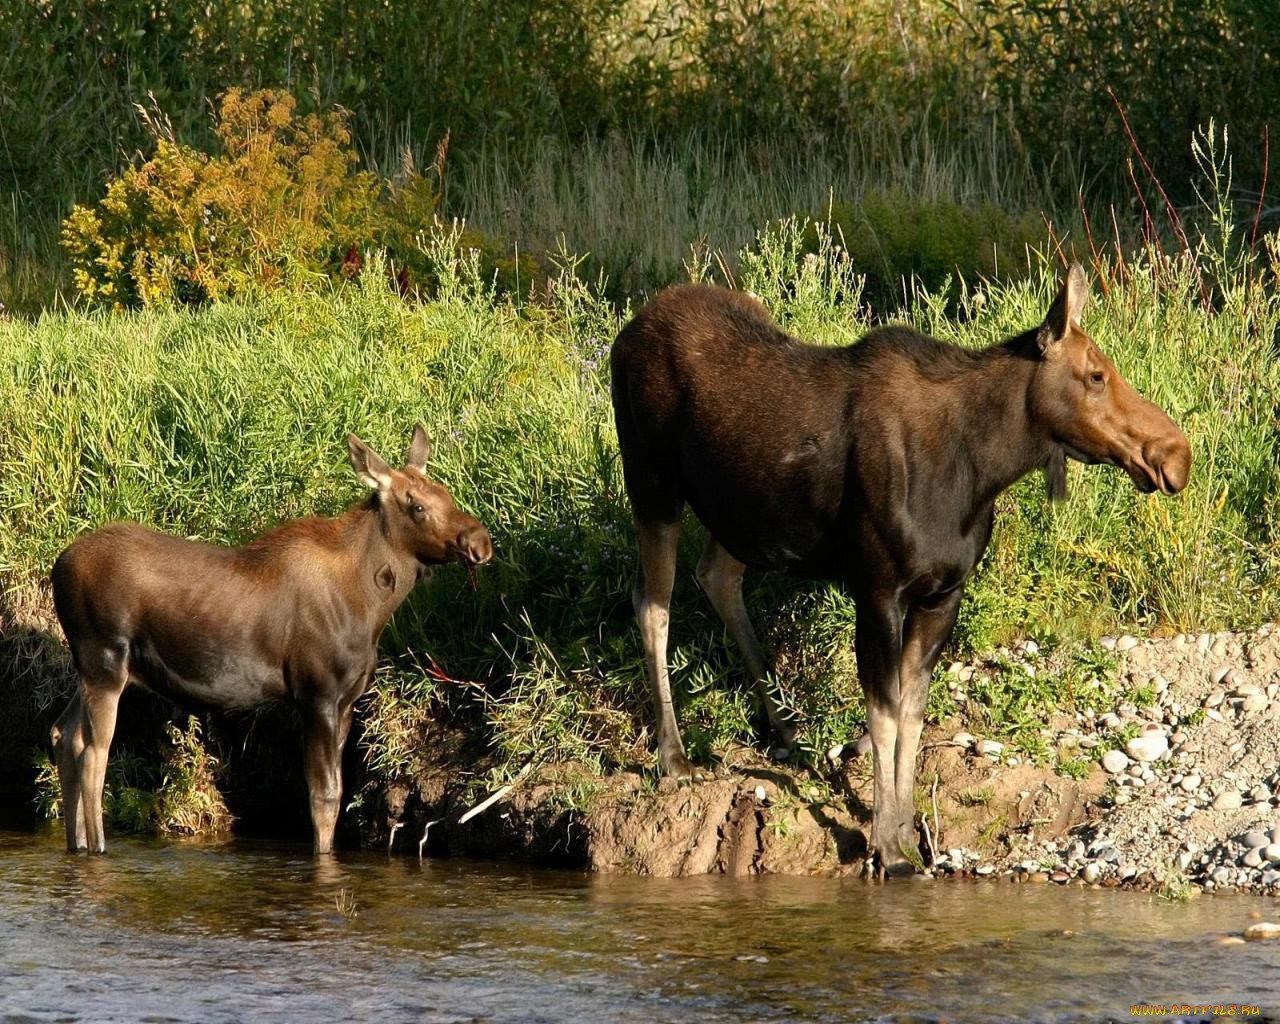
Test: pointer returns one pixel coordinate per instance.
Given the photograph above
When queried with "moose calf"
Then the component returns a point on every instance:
(295, 614)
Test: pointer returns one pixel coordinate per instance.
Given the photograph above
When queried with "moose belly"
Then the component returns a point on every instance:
(207, 671)
(784, 519)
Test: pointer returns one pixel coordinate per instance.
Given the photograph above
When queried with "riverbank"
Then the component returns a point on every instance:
(1171, 786)
(216, 423)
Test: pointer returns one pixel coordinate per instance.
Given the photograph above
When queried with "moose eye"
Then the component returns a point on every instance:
(416, 510)
(1097, 378)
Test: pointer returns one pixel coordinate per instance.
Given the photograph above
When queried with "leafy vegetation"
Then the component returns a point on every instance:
(629, 130)
(219, 421)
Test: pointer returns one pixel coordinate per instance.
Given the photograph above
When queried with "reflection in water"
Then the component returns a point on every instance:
(237, 932)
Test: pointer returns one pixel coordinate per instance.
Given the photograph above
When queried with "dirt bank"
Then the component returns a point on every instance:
(1188, 794)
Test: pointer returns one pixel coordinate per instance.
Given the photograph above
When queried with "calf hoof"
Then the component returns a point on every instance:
(882, 866)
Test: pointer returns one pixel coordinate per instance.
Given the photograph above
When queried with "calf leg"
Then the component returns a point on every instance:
(100, 699)
(652, 599)
(326, 730)
(720, 575)
(68, 744)
(925, 632)
(878, 645)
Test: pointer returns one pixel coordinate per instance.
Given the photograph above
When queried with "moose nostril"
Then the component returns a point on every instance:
(476, 544)
(1173, 462)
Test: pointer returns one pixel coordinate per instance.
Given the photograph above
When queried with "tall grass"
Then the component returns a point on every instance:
(219, 422)
(641, 208)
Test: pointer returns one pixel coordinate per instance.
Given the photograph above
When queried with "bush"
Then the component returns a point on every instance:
(281, 204)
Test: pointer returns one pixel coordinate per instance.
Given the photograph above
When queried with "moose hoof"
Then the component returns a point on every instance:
(681, 769)
(889, 861)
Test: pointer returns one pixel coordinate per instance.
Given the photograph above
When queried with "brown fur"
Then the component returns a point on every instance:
(293, 615)
(875, 465)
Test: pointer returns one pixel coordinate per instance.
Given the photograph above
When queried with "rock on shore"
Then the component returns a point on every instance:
(1183, 792)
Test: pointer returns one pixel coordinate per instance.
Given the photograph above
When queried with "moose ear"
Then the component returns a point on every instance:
(1066, 309)
(1055, 475)
(419, 449)
(368, 464)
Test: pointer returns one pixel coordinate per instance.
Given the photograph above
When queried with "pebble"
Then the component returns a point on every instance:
(1092, 872)
(1108, 642)
(1262, 931)
(761, 793)
(1190, 783)
(1227, 800)
(1215, 697)
(1222, 675)
(964, 739)
(1253, 840)
(1148, 746)
(1246, 690)
(1254, 702)
(1252, 859)
(1126, 643)
(1270, 877)
(1272, 852)
(990, 748)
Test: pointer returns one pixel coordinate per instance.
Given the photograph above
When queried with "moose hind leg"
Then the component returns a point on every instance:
(720, 575)
(100, 699)
(658, 544)
(68, 744)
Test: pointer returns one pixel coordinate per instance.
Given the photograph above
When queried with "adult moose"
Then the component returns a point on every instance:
(875, 465)
(295, 614)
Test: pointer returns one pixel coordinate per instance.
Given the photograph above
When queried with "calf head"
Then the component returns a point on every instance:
(419, 517)
(1091, 413)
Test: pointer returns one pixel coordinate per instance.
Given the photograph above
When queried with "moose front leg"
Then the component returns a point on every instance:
(925, 631)
(325, 733)
(878, 644)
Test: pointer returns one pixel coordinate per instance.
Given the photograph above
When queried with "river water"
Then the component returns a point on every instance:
(161, 932)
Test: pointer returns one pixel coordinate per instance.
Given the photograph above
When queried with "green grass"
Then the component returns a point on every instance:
(219, 422)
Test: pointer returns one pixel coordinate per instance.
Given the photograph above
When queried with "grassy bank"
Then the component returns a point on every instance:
(219, 422)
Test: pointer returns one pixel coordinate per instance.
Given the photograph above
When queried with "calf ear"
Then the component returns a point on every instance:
(368, 464)
(1055, 475)
(419, 449)
(1066, 309)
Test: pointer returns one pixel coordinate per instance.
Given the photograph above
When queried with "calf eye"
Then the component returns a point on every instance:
(416, 510)
(1097, 379)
